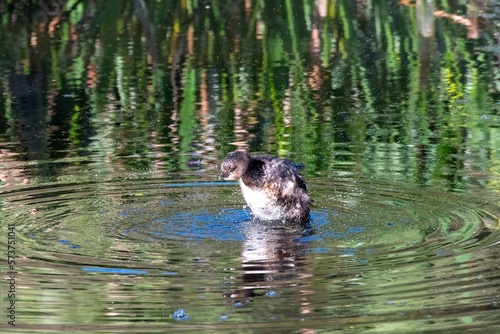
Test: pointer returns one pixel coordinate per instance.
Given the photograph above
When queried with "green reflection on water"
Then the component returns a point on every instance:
(165, 84)
(106, 90)
(127, 253)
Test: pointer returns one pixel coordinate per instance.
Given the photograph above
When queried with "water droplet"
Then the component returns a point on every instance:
(180, 314)
(223, 318)
(238, 304)
(271, 293)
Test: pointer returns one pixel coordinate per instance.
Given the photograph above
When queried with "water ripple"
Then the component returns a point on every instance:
(374, 252)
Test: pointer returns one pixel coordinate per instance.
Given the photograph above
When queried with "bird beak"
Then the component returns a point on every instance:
(223, 176)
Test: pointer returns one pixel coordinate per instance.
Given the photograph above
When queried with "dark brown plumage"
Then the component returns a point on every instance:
(272, 187)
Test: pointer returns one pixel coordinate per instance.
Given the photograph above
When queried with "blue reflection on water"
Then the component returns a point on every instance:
(198, 184)
(203, 225)
(121, 271)
(356, 229)
(68, 243)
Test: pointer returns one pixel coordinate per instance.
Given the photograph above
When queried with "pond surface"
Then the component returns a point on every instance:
(115, 116)
(131, 255)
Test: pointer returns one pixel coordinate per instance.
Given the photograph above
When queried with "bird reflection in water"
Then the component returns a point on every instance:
(272, 257)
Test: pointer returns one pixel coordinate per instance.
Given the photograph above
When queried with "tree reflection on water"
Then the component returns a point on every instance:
(405, 90)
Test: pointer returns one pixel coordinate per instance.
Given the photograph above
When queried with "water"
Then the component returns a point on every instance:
(115, 116)
(377, 257)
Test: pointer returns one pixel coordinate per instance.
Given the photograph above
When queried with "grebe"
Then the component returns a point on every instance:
(272, 187)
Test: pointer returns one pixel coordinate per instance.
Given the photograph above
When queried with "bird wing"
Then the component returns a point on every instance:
(282, 177)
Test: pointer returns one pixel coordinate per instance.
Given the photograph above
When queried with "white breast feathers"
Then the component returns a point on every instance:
(262, 205)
